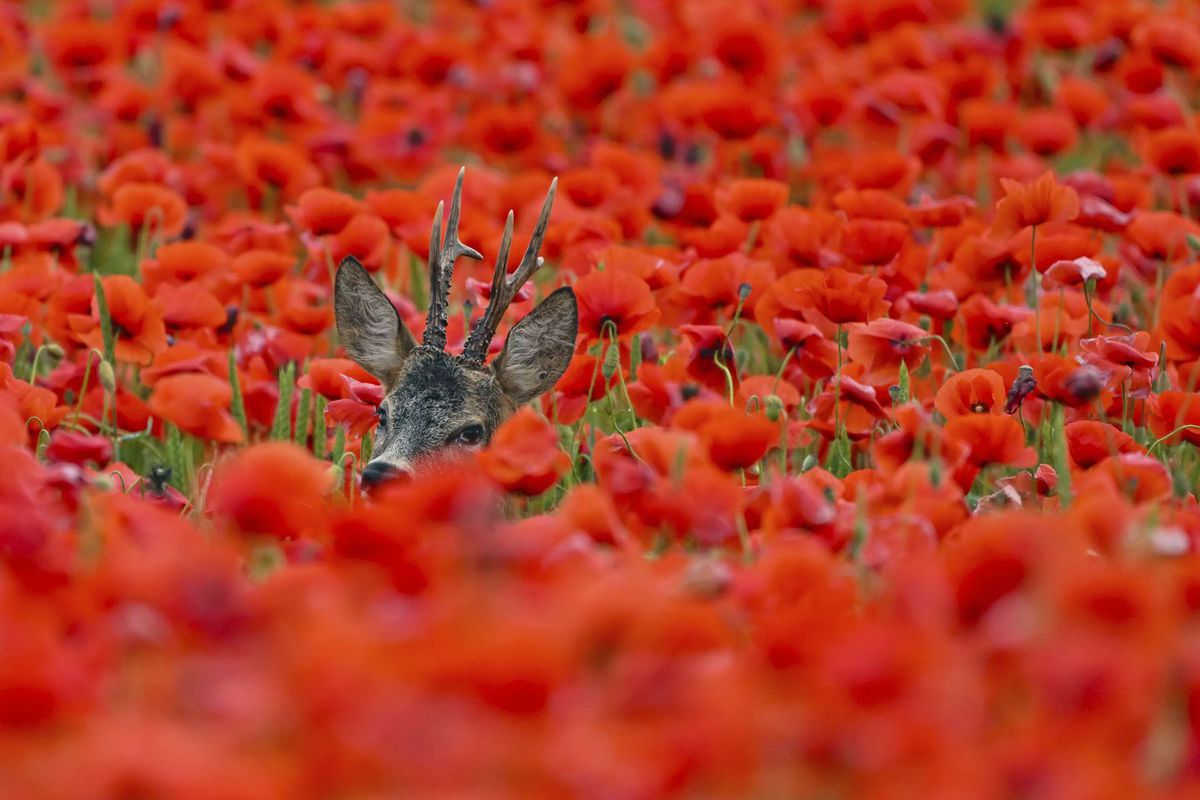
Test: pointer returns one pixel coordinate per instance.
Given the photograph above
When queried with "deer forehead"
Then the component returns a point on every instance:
(435, 391)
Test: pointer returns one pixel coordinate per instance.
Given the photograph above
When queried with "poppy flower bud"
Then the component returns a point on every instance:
(108, 378)
(612, 362)
(809, 462)
(52, 349)
(774, 407)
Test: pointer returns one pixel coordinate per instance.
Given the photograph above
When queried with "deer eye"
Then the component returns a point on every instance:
(381, 412)
(470, 435)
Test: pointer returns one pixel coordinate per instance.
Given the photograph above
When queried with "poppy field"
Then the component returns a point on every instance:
(873, 473)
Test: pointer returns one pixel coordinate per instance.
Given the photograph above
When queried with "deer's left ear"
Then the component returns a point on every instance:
(539, 347)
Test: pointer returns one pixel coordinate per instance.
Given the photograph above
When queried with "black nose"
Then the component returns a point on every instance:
(378, 472)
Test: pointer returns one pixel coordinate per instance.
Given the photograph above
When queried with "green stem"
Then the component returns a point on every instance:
(1162, 439)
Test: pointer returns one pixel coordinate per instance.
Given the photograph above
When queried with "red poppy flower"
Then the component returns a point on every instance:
(597, 67)
(833, 297)
(524, 455)
(183, 357)
(871, 204)
(617, 297)
(752, 199)
(357, 416)
(1047, 131)
(915, 435)
(992, 439)
(883, 344)
(322, 212)
(972, 391)
(1174, 151)
(734, 439)
(721, 283)
(197, 404)
(79, 448)
(137, 323)
(1090, 441)
(273, 489)
(1139, 477)
(940, 305)
(190, 305)
(1173, 409)
(1074, 272)
(873, 242)
(261, 268)
(179, 262)
(1123, 357)
(986, 323)
(147, 206)
(1037, 203)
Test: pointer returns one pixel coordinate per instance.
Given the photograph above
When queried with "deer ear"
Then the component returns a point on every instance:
(368, 323)
(539, 347)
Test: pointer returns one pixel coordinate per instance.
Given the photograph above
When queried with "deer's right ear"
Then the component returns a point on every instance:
(368, 323)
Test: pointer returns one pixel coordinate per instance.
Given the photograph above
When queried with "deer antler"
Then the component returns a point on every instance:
(442, 255)
(504, 286)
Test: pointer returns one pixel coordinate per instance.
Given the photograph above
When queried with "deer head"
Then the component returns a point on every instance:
(436, 402)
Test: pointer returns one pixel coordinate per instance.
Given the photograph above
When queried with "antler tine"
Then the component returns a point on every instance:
(441, 266)
(505, 287)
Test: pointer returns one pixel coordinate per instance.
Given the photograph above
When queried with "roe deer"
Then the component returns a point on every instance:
(437, 402)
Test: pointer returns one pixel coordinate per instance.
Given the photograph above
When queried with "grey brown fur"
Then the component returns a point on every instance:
(438, 402)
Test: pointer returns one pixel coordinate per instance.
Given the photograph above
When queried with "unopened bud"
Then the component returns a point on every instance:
(53, 349)
(612, 362)
(108, 379)
(775, 409)
(809, 462)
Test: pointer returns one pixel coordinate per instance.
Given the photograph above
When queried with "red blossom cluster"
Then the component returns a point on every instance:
(873, 473)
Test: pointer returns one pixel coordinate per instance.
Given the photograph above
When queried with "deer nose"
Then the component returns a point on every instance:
(378, 472)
